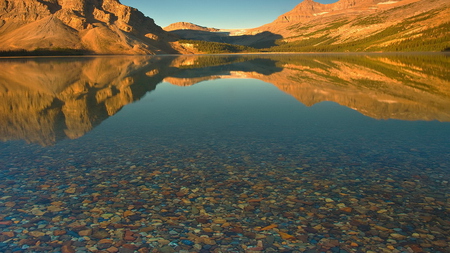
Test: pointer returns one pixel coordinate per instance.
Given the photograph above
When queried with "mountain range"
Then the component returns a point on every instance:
(108, 27)
(347, 25)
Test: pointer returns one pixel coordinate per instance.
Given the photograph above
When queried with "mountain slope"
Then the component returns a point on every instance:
(365, 25)
(104, 27)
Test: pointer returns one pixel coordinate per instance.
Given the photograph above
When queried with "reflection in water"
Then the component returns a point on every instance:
(46, 100)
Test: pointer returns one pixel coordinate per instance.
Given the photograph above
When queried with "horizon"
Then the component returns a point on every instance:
(231, 14)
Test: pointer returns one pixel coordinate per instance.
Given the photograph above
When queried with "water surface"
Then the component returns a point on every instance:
(282, 153)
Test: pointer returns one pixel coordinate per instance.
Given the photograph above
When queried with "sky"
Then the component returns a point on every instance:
(223, 14)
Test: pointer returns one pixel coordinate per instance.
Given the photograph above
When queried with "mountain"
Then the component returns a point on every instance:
(189, 26)
(108, 27)
(101, 27)
(345, 26)
(363, 25)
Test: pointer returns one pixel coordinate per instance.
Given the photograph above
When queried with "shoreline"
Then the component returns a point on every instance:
(225, 54)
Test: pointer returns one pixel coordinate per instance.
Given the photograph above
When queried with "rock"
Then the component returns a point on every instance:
(147, 229)
(440, 243)
(346, 209)
(167, 249)
(67, 249)
(100, 234)
(36, 233)
(429, 199)
(112, 249)
(163, 242)
(59, 232)
(125, 250)
(195, 210)
(86, 232)
(70, 190)
(96, 210)
(129, 236)
(286, 236)
(127, 213)
(269, 227)
(188, 242)
(415, 248)
(398, 236)
(107, 215)
(219, 221)
(4, 238)
(310, 230)
(8, 234)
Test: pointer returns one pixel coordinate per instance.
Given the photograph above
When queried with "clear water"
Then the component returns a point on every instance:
(284, 153)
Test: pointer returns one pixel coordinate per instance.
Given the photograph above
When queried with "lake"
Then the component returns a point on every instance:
(225, 153)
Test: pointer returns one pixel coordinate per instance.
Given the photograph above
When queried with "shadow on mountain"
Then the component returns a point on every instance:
(260, 40)
(43, 103)
(52, 7)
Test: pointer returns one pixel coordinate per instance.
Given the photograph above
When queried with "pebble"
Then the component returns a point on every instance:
(176, 200)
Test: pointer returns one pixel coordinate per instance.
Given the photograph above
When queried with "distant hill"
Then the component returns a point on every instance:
(189, 26)
(101, 27)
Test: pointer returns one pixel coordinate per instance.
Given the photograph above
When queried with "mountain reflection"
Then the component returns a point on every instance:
(49, 99)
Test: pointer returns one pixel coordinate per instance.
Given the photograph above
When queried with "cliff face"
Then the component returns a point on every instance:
(100, 26)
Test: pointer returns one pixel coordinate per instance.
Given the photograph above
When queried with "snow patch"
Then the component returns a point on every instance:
(318, 14)
(389, 2)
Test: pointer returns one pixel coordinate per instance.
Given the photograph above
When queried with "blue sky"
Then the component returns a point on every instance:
(225, 14)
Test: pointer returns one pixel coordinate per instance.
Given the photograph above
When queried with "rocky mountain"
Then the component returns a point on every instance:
(102, 27)
(364, 25)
